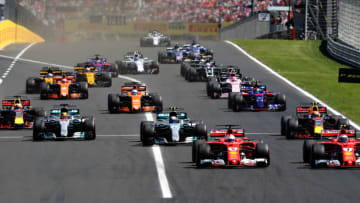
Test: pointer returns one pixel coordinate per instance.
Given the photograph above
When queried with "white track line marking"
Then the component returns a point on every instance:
(312, 97)
(15, 59)
(133, 135)
(160, 167)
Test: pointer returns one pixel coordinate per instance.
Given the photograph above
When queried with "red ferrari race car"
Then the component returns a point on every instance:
(134, 98)
(342, 152)
(64, 89)
(230, 148)
(16, 113)
(312, 121)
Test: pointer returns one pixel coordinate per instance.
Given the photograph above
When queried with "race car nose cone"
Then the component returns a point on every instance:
(349, 162)
(234, 162)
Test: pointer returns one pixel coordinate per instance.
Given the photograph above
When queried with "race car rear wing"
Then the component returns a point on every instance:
(222, 132)
(8, 103)
(135, 87)
(308, 109)
(54, 71)
(82, 68)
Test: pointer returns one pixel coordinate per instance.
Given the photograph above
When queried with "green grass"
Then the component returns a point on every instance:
(303, 63)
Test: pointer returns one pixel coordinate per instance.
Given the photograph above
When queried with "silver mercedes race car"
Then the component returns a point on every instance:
(155, 39)
(136, 63)
(171, 127)
(64, 122)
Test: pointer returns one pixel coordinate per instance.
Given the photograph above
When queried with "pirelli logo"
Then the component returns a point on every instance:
(349, 75)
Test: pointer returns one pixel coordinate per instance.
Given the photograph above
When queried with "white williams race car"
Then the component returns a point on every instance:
(155, 39)
(136, 63)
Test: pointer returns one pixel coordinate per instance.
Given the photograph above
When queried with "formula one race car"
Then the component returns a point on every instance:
(226, 80)
(92, 77)
(171, 127)
(199, 70)
(313, 122)
(340, 152)
(257, 99)
(49, 75)
(134, 98)
(155, 39)
(64, 89)
(17, 113)
(100, 64)
(134, 62)
(230, 148)
(64, 122)
(196, 51)
(173, 55)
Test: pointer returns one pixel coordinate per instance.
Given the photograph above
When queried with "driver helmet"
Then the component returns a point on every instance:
(17, 106)
(98, 61)
(229, 136)
(87, 69)
(257, 91)
(207, 65)
(50, 75)
(173, 119)
(176, 46)
(63, 80)
(64, 112)
(343, 138)
(134, 92)
(315, 114)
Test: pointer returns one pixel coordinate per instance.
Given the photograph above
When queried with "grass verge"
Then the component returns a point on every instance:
(305, 64)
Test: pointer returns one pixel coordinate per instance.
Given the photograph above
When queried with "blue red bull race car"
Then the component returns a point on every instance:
(101, 65)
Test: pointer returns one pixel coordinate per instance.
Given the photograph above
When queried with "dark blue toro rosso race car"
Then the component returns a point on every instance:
(256, 98)
(173, 55)
(101, 65)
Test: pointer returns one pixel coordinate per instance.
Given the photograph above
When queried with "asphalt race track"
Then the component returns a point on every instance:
(117, 168)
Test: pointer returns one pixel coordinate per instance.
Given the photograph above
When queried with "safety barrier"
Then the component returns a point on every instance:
(13, 33)
(343, 52)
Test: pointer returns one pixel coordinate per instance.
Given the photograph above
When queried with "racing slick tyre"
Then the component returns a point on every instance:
(307, 150)
(30, 85)
(262, 151)
(215, 90)
(283, 124)
(160, 57)
(155, 69)
(142, 127)
(84, 90)
(208, 87)
(192, 75)
(132, 68)
(157, 102)
(195, 145)
(106, 77)
(38, 130)
(203, 152)
(148, 135)
(114, 71)
(201, 131)
(281, 99)
(90, 128)
(343, 122)
(120, 67)
(231, 98)
(44, 90)
(292, 126)
(238, 101)
(318, 152)
(113, 103)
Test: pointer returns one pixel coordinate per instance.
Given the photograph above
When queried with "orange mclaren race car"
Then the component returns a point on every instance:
(134, 98)
(17, 113)
(49, 75)
(64, 89)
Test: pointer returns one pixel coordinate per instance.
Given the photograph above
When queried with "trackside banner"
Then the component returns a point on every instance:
(349, 75)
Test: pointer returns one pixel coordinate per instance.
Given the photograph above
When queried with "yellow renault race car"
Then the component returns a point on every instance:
(90, 75)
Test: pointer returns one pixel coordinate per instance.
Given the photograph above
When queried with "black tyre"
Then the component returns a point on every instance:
(157, 102)
(262, 151)
(238, 102)
(113, 103)
(114, 71)
(107, 79)
(84, 90)
(44, 90)
(215, 90)
(142, 127)
(195, 145)
(38, 130)
(292, 126)
(203, 152)
(307, 150)
(208, 87)
(231, 98)
(155, 68)
(318, 151)
(281, 99)
(192, 75)
(30, 85)
(90, 129)
(39, 112)
(283, 124)
(201, 131)
(148, 135)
